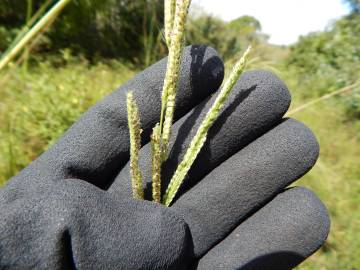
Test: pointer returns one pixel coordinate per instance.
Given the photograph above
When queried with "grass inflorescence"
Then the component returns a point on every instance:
(200, 136)
(172, 74)
(156, 163)
(135, 144)
(175, 20)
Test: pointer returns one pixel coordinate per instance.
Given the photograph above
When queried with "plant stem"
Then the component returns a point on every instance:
(156, 164)
(25, 28)
(54, 11)
(324, 97)
(172, 73)
(31, 46)
(135, 144)
(200, 137)
(29, 11)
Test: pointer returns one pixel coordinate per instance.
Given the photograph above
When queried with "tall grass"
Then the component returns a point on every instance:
(335, 177)
(36, 107)
(336, 180)
(29, 22)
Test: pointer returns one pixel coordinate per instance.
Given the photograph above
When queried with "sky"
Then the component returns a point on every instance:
(283, 20)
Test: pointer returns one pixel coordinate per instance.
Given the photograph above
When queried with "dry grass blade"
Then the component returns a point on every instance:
(324, 97)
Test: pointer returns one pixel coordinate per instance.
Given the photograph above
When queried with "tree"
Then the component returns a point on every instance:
(245, 24)
(354, 5)
(109, 28)
(330, 60)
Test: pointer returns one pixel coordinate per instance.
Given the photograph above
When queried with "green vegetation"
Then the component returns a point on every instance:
(123, 29)
(70, 70)
(335, 178)
(319, 64)
(228, 38)
(326, 61)
(36, 107)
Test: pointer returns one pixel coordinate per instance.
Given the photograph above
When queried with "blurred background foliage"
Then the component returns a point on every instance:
(94, 46)
(104, 29)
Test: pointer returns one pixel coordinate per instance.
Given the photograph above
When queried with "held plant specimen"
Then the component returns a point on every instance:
(200, 136)
(135, 141)
(175, 21)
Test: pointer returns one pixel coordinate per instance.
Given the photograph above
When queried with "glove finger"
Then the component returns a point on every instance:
(245, 182)
(257, 103)
(279, 236)
(97, 145)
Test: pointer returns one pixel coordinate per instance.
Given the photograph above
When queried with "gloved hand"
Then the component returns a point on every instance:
(72, 207)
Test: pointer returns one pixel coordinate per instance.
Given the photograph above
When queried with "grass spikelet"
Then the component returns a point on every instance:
(200, 137)
(156, 164)
(172, 72)
(169, 14)
(135, 144)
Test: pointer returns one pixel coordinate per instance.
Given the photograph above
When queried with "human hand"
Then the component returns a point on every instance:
(72, 207)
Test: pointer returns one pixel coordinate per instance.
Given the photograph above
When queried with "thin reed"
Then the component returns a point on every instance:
(25, 38)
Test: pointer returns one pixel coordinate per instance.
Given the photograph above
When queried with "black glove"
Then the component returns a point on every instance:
(72, 208)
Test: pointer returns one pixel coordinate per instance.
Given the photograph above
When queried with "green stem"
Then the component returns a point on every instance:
(28, 25)
(54, 11)
(28, 18)
(172, 72)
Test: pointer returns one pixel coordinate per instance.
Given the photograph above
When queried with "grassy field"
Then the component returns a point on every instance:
(37, 106)
(336, 180)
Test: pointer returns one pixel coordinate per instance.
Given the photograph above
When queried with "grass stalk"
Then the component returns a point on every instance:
(156, 164)
(32, 44)
(135, 144)
(322, 98)
(27, 26)
(172, 73)
(53, 12)
(29, 11)
(200, 137)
